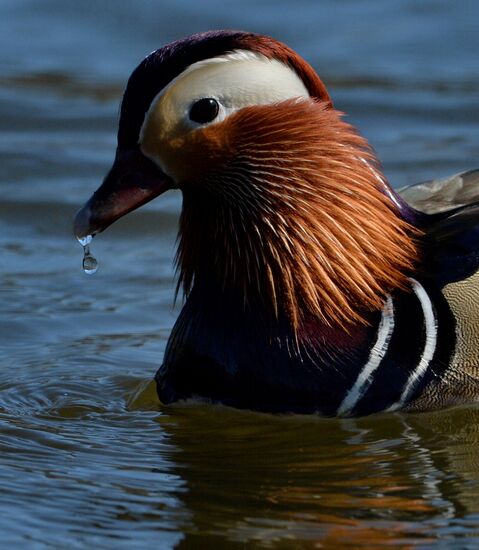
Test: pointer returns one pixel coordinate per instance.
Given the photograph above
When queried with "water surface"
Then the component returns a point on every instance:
(88, 458)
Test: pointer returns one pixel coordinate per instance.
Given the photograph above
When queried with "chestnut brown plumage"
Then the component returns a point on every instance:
(287, 204)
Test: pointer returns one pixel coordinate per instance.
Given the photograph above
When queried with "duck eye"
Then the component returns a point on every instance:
(204, 110)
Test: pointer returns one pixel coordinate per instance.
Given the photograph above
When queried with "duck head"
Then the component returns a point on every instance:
(284, 203)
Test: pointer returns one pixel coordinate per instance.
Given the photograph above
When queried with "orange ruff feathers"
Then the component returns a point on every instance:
(299, 207)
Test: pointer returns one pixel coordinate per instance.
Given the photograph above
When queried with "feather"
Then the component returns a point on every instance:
(450, 224)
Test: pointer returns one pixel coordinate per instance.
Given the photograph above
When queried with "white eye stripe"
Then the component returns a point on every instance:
(236, 80)
(243, 66)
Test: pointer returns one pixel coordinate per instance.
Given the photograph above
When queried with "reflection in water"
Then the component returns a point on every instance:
(388, 479)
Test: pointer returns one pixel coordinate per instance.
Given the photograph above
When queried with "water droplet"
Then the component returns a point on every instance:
(90, 264)
(85, 241)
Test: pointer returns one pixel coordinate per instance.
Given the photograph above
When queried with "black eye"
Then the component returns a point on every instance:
(204, 110)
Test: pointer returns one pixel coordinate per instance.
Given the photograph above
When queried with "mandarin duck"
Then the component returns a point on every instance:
(311, 285)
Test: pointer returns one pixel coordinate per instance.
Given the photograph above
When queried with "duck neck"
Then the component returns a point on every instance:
(291, 262)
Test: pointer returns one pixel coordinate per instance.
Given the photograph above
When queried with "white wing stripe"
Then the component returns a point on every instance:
(429, 345)
(376, 355)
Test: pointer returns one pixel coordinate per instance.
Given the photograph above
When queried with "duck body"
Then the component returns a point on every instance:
(310, 285)
(236, 361)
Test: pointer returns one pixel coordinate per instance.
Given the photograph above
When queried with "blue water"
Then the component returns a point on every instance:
(88, 458)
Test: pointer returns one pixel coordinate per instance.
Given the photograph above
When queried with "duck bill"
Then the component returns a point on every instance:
(132, 181)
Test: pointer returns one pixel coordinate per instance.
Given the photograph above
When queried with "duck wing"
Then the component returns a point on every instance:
(443, 194)
(451, 251)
